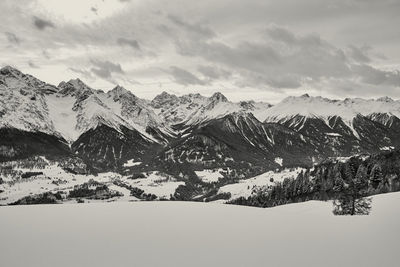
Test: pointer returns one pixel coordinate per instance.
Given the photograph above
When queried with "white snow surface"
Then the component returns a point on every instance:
(131, 163)
(161, 185)
(63, 117)
(279, 161)
(247, 187)
(199, 234)
(387, 148)
(25, 111)
(210, 176)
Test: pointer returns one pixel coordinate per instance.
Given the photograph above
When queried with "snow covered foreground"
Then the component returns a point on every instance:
(198, 234)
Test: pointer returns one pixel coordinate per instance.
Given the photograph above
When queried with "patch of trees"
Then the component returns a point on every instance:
(136, 192)
(348, 183)
(44, 198)
(93, 190)
(30, 174)
(137, 175)
(74, 165)
(218, 196)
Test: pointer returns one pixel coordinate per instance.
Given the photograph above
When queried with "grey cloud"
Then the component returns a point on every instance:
(287, 60)
(46, 54)
(213, 72)
(287, 63)
(285, 81)
(359, 54)
(225, 35)
(84, 73)
(42, 24)
(286, 37)
(371, 75)
(280, 81)
(281, 34)
(130, 42)
(192, 28)
(249, 56)
(12, 38)
(184, 77)
(105, 69)
(33, 65)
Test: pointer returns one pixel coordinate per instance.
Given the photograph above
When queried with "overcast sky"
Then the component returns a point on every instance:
(254, 49)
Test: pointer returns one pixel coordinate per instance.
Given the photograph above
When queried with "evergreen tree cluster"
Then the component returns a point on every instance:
(348, 183)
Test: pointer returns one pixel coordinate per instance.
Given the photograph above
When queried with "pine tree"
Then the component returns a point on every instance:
(351, 200)
(376, 176)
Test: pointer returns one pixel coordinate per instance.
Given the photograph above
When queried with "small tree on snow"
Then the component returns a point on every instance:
(351, 199)
(352, 206)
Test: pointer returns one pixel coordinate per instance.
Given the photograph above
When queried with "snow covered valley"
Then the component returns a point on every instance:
(198, 234)
(38, 181)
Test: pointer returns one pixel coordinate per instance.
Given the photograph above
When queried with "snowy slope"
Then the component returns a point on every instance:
(303, 234)
(247, 187)
(54, 178)
(22, 102)
(84, 107)
(175, 110)
(63, 117)
(78, 108)
(135, 111)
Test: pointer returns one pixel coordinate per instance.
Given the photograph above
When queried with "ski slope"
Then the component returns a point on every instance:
(198, 234)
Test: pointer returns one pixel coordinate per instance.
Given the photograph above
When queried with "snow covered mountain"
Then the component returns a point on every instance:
(206, 144)
(22, 102)
(353, 125)
(194, 109)
(241, 142)
(193, 131)
(324, 108)
(41, 114)
(85, 108)
(72, 108)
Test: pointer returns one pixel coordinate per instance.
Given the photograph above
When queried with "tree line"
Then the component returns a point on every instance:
(348, 183)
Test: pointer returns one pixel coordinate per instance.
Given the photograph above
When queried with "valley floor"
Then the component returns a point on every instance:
(198, 234)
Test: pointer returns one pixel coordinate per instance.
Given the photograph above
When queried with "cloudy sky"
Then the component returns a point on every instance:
(254, 49)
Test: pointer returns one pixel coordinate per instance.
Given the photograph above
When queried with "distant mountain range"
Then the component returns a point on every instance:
(182, 134)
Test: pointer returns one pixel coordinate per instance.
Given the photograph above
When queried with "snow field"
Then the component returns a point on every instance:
(199, 234)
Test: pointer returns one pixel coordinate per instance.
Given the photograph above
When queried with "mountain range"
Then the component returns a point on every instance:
(182, 134)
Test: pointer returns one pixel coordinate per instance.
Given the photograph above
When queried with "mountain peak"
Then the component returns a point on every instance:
(385, 99)
(8, 70)
(219, 97)
(74, 87)
(163, 99)
(17, 79)
(248, 105)
(119, 91)
(165, 94)
(305, 96)
(78, 83)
